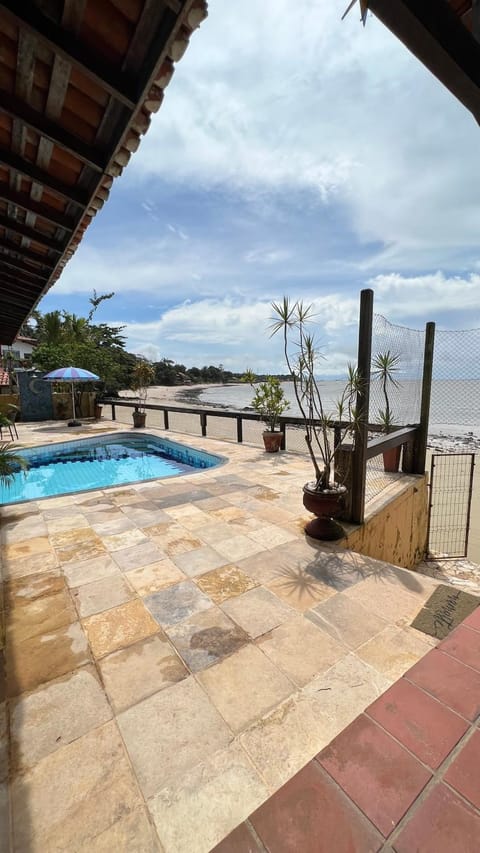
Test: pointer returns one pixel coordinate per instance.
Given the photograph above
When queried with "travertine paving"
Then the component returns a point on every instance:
(177, 650)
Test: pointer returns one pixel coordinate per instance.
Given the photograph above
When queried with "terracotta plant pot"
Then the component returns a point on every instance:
(139, 419)
(391, 459)
(326, 506)
(272, 441)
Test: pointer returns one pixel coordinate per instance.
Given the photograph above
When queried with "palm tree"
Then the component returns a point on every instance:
(10, 463)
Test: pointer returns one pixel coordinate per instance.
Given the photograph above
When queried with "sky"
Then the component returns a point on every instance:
(294, 154)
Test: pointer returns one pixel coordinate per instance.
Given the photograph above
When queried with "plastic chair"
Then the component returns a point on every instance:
(6, 423)
(13, 413)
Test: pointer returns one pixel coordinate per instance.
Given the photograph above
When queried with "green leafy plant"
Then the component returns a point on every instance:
(269, 400)
(10, 463)
(385, 365)
(142, 377)
(292, 320)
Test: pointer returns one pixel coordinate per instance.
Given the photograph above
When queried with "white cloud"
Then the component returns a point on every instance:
(428, 295)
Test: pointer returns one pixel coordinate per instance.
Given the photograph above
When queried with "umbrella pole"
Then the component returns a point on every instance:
(73, 402)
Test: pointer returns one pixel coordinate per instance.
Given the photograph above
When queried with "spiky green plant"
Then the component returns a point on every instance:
(385, 365)
(10, 463)
(291, 320)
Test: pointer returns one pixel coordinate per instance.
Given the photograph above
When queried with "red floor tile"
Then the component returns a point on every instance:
(464, 645)
(473, 621)
(464, 773)
(240, 840)
(426, 727)
(310, 815)
(443, 824)
(448, 680)
(381, 777)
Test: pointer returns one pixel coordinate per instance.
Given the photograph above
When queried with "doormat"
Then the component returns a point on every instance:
(444, 610)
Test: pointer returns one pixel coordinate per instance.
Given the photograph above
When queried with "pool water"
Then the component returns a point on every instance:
(96, 463)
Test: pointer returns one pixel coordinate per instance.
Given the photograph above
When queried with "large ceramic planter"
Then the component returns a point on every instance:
(391, 459)
(326, 506)
(139, 419)
(272, 441)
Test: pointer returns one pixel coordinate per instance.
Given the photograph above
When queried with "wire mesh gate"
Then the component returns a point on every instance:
(451, 484)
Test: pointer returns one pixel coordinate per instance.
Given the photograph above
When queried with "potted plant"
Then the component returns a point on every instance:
(323, 496)
(385, 365)
(10, 463)
(143, 375)
(269, 402)
(98, 406)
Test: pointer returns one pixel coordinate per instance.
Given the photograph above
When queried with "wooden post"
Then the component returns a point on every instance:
(239, 429)
(283, 429)
(203, 423)
(165, 418)
(113, 412)
(422, 435)
(343, 475)
(359, 461)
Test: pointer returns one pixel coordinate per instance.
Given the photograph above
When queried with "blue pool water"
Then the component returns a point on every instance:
(95, 463)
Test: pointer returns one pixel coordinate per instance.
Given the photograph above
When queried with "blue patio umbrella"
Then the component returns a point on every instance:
(71, 374)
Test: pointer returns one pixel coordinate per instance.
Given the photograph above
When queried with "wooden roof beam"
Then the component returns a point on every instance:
(30, 170)
(16, 108)
(64, 44)
(11, 263)
(32, 234)
(436, 36)
(22, 252)
(44, 211)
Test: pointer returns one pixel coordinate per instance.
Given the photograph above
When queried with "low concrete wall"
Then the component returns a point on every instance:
(395, 528)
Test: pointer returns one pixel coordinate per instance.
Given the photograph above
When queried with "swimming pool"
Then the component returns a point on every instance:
(96, 463)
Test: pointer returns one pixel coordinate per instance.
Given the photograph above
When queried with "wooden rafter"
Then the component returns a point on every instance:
(14, 249)
(60, 41)
(18, 266)
(25, 202)
(31, 233)
(30, 170)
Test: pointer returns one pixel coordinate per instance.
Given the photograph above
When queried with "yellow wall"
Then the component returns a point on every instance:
(7, 400)
(396, 527)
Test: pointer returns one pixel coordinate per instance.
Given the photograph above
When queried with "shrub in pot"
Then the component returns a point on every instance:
(270, 403)
(142, 377)
(323, 495)
(385, 365)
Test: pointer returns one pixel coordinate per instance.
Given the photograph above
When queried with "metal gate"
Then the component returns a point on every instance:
(451, 484)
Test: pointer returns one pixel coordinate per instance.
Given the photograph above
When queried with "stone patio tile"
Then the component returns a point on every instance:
(178, 728)
(124, 496)
(238, 547)
(387, 600)
(224, 583)
(127, 539)
(56, 714)
(160, 529)
(463, 772)
(77, 545)
(122, 626)
(186, 513)
(205, 638)
(30, 565)
(275, 514)
(346, 620)
(463, 644)
(138, 671)
(87, 571)
(207, 803)
(60, 501)
(26, 590)
(4, 817)
(40, 616)
(299, 589)
(300, 649)
(264, 567)
(60, 524)
(145, 515)
(177, 540)
(101, 595)
(281, 743)
(272, 535)
(245, 686)
(138, 555)
(214, 531)
(229, 513)
(449, 681)
(26, 548)
(393, 651)
(74, 794)
(31, 527)
(103, 513)
(47, 656)
(257, 611)
(118, 523)
(133, 833)
(177, 603)
(154, 576)
(208, 504)
(310, 814)
(199, 561)
(345, 690)
(368, 765)
(443, 823)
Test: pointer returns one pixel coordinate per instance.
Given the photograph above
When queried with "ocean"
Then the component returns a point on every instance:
(454, 409)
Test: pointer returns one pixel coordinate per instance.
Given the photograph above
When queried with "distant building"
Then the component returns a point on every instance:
(20, 349)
